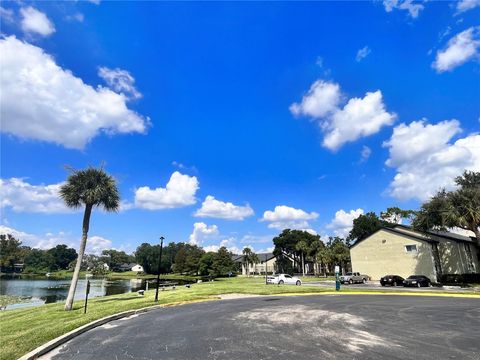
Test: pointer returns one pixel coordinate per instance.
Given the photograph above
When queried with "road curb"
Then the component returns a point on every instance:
(52, 344)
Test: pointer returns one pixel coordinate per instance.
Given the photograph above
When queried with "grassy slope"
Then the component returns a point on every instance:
(23, 330)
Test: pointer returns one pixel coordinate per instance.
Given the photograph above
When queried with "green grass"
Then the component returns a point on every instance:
(23, 330)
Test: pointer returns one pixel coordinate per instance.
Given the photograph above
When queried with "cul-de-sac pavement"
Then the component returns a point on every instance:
(297, 327)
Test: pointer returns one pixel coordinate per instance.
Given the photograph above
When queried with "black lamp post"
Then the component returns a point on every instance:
(266, 281)
(158, 270)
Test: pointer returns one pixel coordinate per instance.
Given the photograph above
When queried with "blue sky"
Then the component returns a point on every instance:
(258, 116)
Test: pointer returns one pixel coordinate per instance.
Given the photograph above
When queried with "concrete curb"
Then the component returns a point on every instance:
(52, 344)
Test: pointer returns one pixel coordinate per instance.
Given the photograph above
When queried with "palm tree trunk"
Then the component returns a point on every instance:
(81, 251)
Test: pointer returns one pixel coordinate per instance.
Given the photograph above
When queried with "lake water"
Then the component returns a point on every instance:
(44, 291)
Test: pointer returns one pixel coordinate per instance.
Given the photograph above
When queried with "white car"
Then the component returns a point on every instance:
(281, 279)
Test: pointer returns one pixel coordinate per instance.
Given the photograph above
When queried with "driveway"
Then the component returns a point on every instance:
(376, 285)
(301, 327)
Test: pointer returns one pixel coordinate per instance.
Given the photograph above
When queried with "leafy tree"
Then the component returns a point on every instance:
(11, 252)
(62, 256)
(317, 251)
(90, 188)
(302, 247)
(458, 208)
(339, 251)
(205, 265)
(222, 262)
(38, 261)
(114, 259)
(395, 215)
(365, 225)
(192, 262)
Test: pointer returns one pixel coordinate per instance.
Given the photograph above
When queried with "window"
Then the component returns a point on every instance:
(412, 249)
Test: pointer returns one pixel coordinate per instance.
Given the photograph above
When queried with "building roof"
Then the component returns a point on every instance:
(261, 257)
(408, 231)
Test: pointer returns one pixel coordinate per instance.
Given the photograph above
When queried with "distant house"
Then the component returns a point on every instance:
(137, 268)
(403, 251)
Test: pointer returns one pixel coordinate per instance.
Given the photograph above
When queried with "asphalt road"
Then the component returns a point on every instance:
(303, 327)
(376, 285)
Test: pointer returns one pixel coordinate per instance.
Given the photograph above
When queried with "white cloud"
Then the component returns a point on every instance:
(120, 81)
(75, 17)
(342, 223)
(465, 5)
(6, 15)
(42, 101)
(460, 49)
(321, 100)
(21, 196)
(35, 21)
(202, 231)
(179, 191)
(96, 244)
(366, 152)
(360, 117)
(426, 160)
(229, 243)
(214, 208)
(408, 5)
(285, 217)
(362, 53)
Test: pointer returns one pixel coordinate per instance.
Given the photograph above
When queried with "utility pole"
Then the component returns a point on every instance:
(158, 270)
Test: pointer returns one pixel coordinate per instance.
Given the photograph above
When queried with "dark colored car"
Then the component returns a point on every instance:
(392, 280)
(417, 280)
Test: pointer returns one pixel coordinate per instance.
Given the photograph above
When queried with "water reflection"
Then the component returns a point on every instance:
(44, 291)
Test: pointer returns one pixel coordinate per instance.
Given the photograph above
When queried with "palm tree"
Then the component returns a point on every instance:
(91, 187)
(302, 248)
(249, 258)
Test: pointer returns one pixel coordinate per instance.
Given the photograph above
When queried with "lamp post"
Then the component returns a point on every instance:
(266, 282)
(158, 270)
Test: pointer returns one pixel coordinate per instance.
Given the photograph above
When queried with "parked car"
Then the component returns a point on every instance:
(417, 280)
(392, 280)
(353, 278)
(281, 279)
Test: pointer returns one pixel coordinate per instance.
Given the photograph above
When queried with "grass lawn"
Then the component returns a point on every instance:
(23, 330)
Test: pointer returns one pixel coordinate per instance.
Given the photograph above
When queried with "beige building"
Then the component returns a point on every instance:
(403, 251)
(266, 262)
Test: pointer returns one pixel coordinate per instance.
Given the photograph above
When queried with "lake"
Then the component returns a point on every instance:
(35, 291)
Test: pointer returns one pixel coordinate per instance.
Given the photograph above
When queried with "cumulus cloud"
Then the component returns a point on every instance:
(179, 192)
(407, 5)
(360, 117)
(42, 101)
(120, 81)
(229, 243)
(214, 208)
(460, 49)
(95, 244)
(35, 21)
(285, 217)
(21, 196)
(427, 160)
(202, 231)
(362, 53)
(342, 223)
(465, 5)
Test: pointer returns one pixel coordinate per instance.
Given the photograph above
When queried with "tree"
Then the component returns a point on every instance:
(365, 225)
(395, 215)
(62, 256)
(205, 266)
(222, 262)
(458, 208)
(249, 258)
(11, 252)
(302, 247)
(38, 261)
(90, 188)
(115, 259)
(339, 250)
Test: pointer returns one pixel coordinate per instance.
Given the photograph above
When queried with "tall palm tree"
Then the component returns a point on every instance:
(247, 259)
(90, 187)
(302, 248)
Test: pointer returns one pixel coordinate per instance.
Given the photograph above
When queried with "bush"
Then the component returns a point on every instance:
(458, 279)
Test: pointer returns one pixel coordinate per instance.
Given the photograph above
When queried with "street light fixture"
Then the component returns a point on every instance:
(158, 270)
